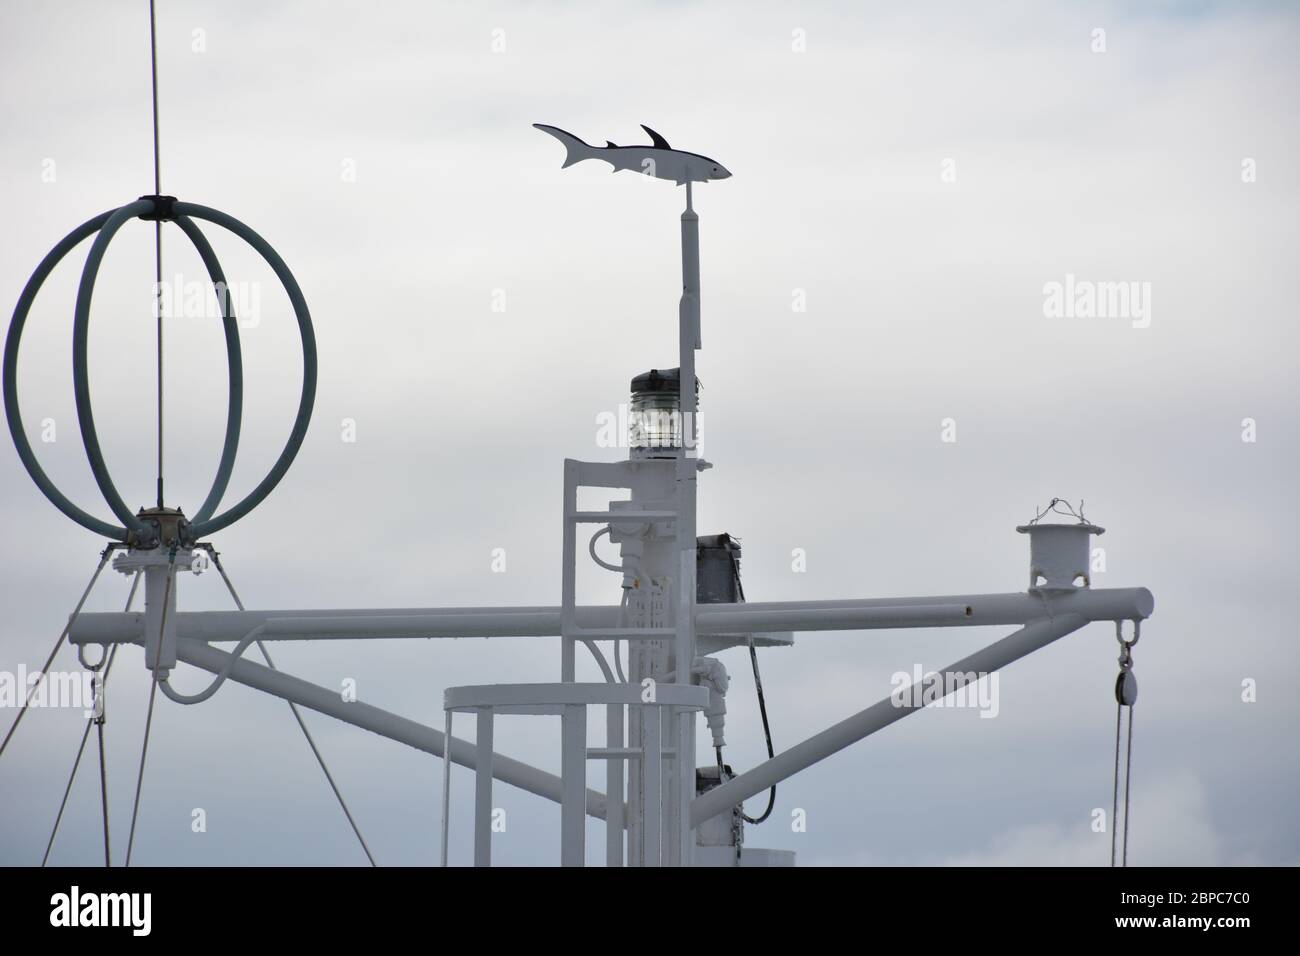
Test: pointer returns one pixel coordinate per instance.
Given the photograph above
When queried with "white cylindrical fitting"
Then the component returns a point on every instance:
(159, 619)
(1060, 555)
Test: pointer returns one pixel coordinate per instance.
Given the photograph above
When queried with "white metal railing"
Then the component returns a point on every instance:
(569, 701)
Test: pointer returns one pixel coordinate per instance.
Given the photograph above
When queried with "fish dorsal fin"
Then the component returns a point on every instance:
(657, 141)
(610, 144)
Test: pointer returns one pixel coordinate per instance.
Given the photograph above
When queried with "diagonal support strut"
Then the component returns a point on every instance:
(368, 717)
(1031, 637)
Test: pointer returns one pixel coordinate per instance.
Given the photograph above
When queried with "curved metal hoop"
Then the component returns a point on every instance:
(12, 414)
(106, 225)
(308, 396)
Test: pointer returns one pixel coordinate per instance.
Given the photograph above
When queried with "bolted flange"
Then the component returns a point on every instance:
(162, 528)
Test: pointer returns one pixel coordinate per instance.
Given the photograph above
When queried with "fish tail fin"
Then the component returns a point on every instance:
(576, 149)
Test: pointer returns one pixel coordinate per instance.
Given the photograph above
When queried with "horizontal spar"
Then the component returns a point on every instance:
(1103, 604)
(748, 617)
(966, 610)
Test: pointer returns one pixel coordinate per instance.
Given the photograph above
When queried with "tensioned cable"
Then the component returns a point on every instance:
(1122, 849)
(1118, 844)
(1114, 800)
(139, 779)
(157, 236)
(1125, 698)
(153, 694)
(99, 732)
(320, 759)
(66, 791)
(103, 559)
(103, 780)
(94, 720)
(1128, 785)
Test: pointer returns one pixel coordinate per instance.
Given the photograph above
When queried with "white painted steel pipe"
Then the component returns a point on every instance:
(721, 799)
(1108, 604)
(369, 717)
(484, 758)
(1017, 608)
(745, 617)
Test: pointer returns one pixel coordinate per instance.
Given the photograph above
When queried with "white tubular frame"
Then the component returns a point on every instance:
(1016, 609)
(569, 701)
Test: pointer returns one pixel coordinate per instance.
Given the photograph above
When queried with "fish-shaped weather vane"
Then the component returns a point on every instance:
(658, 159)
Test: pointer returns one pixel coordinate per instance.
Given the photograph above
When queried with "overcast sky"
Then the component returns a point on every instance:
(912, 177)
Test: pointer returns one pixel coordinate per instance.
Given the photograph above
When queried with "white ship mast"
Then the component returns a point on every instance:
(680, 596)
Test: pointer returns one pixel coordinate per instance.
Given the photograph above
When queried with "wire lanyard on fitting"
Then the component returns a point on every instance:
(99, 714)
(1126, 690)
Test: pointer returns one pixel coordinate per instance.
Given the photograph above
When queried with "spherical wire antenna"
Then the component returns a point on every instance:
(138, 528)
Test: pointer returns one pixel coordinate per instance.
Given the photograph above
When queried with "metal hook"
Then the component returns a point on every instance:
(1126, 683)
(93, 668)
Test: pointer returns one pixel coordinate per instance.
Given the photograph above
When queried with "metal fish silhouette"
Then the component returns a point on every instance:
(658, 159)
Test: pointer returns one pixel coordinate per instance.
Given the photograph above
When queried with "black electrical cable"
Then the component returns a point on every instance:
(767, 733)
(762, 709)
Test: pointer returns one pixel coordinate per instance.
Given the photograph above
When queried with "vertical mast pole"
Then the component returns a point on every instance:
(679, 851)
